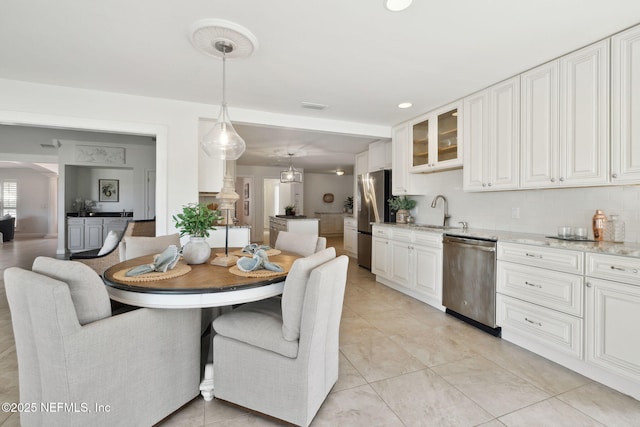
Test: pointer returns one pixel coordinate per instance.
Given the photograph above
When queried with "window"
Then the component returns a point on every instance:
(9, 197)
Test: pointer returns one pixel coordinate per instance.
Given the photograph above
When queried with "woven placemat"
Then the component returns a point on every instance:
(179, 270)
(257, 273)
(270, 252)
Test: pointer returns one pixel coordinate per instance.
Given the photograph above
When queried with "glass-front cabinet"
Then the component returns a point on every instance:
(436, 142)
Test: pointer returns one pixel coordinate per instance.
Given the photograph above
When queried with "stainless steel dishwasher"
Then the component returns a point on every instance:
(469, 280)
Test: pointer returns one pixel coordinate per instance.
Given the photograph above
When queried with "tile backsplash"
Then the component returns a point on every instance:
(528, 211)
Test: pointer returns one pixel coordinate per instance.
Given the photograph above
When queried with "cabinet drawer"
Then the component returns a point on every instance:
(559, 331)
(548, 288)
(552, 258)
(402, 235)
(382, 232)
(612, 267)
(350, 222)
(433, 240)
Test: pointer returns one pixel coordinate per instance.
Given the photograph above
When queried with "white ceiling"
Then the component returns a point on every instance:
(352, 55)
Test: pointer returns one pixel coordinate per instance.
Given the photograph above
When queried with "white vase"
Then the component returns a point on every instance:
(196, 251)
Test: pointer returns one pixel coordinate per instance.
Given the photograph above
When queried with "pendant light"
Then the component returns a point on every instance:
(223, 141)
(291, 175)
(223, 39)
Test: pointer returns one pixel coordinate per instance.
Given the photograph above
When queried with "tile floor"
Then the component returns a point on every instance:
(402, 363)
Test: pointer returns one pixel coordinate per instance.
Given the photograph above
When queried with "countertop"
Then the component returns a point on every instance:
(624, 249)
(294, 218)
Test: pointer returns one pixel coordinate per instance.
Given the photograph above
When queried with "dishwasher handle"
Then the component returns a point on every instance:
(479, 244)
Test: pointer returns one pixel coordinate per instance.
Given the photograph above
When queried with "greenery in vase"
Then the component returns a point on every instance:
(290, 210)
(196, 220)
(397, 203)
(349, 203)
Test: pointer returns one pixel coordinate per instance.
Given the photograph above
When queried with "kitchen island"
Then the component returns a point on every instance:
(296, 224)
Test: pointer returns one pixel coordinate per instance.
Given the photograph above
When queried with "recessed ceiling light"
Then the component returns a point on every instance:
(339, 172)
(397, 5)
(405, 105)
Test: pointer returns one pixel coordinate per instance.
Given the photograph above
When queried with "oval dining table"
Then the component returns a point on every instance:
(205, 285)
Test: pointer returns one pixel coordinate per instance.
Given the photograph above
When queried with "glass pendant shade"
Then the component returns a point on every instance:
(223, 141)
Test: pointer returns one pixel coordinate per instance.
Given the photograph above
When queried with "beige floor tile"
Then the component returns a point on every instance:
(604, 404)
(359, 406)
(551, 412)
(246, 420)
(423, 398)
(356, 329)
(397, 322)
(495, 389)
(492, 423)
(217, 411)
(378, 359)
(434, 347)
(12, 420)
(9, 391)
(348, 376)
(190, 415)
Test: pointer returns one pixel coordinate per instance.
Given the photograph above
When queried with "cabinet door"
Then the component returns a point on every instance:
(350, 239)
(92, 234)
(421, 133)
(539, 136)
(403, 182)
(380, 251)
(584, 116)
(625, 107)
(503, 165)
(401, 254)
(75, 236)
(476, 131)
(612, 312)
(379, 155)
(428, 271)
(446, 143)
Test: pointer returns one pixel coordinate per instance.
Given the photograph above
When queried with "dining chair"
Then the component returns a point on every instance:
(300, 243)
(134, 369)
(280, 358)
(133, 247)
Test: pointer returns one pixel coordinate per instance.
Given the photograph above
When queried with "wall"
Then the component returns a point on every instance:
(540, 211)
(174, 123)
(33, 199)
(316, 185)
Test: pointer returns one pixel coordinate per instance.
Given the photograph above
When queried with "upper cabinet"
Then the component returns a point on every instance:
(625, 107)
(403, 182)
(492, 137)
(565, 120)
(436, 141)
(379, 155)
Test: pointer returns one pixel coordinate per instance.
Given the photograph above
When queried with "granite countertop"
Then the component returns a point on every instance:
(291, 217)
(624, 249)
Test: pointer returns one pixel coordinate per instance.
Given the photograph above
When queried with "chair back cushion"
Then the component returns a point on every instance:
(299, 243)
(295, 287)
(88, 292)
(110, 243)
(140, 246)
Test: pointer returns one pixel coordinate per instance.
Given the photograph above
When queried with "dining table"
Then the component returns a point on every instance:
(203, 286)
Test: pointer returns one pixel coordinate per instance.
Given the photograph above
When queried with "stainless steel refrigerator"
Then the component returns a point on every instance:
(374, 189)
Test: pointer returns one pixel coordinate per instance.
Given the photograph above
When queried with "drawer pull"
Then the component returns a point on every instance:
(632, 270)
(533, 285)
(533, 255)
(532, 322)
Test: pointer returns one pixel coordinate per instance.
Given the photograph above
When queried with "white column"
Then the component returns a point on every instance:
(52, 231)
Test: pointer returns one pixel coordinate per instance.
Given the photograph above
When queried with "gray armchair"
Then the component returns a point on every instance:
(300, 243)
(131, 369)
(281, 358)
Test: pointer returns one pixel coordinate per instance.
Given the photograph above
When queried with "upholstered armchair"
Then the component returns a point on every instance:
(280, 357)
(300, 243)
(131, 369)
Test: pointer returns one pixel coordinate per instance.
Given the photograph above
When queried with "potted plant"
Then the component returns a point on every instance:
(196, 220)
(348, 204)
(401, 205)
(290, 210)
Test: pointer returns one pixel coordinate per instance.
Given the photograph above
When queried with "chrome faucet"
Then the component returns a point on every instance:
(445, 212)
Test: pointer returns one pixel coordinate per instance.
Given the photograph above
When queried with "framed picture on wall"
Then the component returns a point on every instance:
(109, 190)
(246, 190)
(246, 208)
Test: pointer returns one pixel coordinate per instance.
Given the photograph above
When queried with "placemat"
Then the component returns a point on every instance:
(270, 252)
(257, 273)
(179, 270)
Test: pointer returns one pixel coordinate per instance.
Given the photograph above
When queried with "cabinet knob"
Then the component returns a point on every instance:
(615, 175)
(561, 179)
(489, 184)
(553, 180)
(484, 185)
(588, 284)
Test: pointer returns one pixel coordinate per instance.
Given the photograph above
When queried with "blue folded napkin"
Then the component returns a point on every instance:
(253, 247)
(161, 263)
(259, 261)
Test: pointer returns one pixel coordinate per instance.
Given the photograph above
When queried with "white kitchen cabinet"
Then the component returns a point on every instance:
(436, 140)
(492, 138)
(295, 225)
(93, 233)
(612, 311)
(379, 156)
(540, 298)
(403, 182)
(331, 224)
(362, 163)
(75, 234)
(113, 224)
(350, 236)
(625, 107)
(409, 261)
(565, 120)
